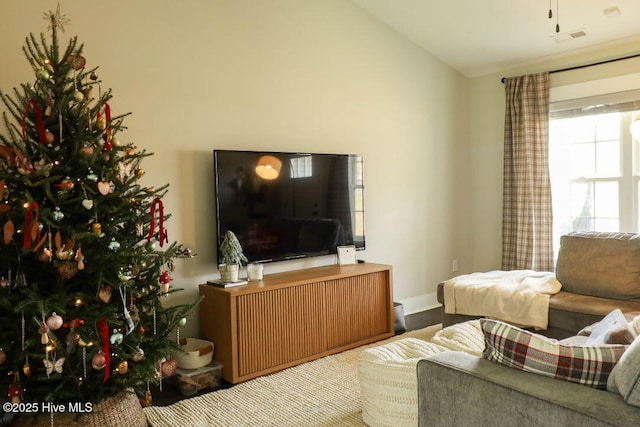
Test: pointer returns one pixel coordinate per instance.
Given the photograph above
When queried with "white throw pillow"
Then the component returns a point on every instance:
(625, 376)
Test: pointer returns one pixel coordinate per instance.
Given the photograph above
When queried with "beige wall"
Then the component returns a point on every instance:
(292, 75)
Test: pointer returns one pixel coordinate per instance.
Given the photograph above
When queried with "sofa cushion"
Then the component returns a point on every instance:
(524, 350)
(625, 376)
(600, 264)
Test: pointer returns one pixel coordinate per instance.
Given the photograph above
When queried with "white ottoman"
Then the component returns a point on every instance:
(388, 387)
(387, 373)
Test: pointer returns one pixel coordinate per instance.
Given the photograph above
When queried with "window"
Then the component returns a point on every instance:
(594, 165)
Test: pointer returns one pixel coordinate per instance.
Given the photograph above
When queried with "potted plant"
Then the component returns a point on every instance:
(232, 257)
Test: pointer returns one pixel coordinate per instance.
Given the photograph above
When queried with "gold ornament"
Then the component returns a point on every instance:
(123, 367)
(96, 228)
(139, 173)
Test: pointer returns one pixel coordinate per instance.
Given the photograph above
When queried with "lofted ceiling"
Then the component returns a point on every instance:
(478, 37)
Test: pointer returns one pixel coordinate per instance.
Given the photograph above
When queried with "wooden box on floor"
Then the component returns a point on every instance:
(294, 317)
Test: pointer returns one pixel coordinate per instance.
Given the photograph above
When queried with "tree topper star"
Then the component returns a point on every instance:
(57, 20)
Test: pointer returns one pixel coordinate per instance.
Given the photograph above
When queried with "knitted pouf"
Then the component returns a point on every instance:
(121, 410)
(388, 384)
(467, 337)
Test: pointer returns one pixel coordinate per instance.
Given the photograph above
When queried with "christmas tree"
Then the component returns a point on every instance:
(85, 261)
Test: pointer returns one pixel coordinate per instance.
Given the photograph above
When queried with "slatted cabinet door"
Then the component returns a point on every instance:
(274, 331)
(357, 308)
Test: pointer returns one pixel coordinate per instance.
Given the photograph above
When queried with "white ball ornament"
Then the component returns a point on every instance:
(182, 321)
(54, 322)
(78, 96)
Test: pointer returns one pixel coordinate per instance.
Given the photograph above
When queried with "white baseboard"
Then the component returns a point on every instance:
(420, 303)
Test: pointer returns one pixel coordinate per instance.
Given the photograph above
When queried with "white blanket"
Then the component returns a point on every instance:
(520, 296)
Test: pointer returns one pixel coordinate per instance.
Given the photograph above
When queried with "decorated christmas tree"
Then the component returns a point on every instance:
(85, 261)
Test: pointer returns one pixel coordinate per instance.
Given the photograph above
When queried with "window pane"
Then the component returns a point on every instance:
(581, 199)
(608, 158)
(579, 129)
(607, 225)
(607, 126)
(583, 160)
(606, 200)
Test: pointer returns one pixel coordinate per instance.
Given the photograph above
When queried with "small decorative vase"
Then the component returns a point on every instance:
(228, 272)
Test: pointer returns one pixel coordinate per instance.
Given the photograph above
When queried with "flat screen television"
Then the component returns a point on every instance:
(289, 205)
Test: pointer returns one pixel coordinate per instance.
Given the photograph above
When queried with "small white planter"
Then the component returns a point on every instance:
(228, 272)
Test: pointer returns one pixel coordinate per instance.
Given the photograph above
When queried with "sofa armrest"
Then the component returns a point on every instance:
(456, 388)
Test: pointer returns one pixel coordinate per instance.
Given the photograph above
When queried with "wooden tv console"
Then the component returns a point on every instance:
(297, 316)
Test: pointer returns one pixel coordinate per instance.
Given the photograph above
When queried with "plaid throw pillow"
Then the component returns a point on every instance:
(524, 350)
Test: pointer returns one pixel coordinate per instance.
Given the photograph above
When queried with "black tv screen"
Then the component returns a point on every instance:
(289, 205)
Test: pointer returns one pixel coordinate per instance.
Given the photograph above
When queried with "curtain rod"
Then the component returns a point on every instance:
(577, 67)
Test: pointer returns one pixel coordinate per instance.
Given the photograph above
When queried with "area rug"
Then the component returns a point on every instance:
(324, 392)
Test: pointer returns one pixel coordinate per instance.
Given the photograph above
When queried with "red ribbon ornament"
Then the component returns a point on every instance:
(42, 136)
(107, 116)
(30, 219)
(157, 203)
(103, 329)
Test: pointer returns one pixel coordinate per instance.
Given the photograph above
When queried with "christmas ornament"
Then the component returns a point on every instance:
(157, 204)
(164, 277)
(138, 355)
(3, 356)
(42, 74)
(78, 96)
(104, 294)
(54, 322)
(131, 151)
(92, 176)
(116, 338)
(105, 187)
(43, 330)
(113, 245)
(151, 246)
(26, 369)
(96, 228)
(49, 137)
(42, 137)
(21, 281)
(4, 282)
(14, 393)
(77, 62)
(87, 204)
(57, 214)
(123, 367)
(45, 255)
(115, 141)
(8, 231)
(101, 123)
(98, 361)
(31, 225)
(107, 146)
(79, 259)
(68, 269)
(86, 150)
(127, 316)
(140, 173)
(169, 367)
(53, 366)
(88, 94)
(182, 321)
(65, 184)
(93, 76)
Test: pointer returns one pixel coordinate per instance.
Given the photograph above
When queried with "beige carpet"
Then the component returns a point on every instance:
(325, 392)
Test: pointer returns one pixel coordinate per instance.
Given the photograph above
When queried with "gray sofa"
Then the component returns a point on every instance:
(599, 272)
(457, 389)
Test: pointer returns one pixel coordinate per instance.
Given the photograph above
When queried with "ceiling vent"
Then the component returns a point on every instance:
(571, 35)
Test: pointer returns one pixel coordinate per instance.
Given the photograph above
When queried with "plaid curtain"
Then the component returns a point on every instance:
(527, 218)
